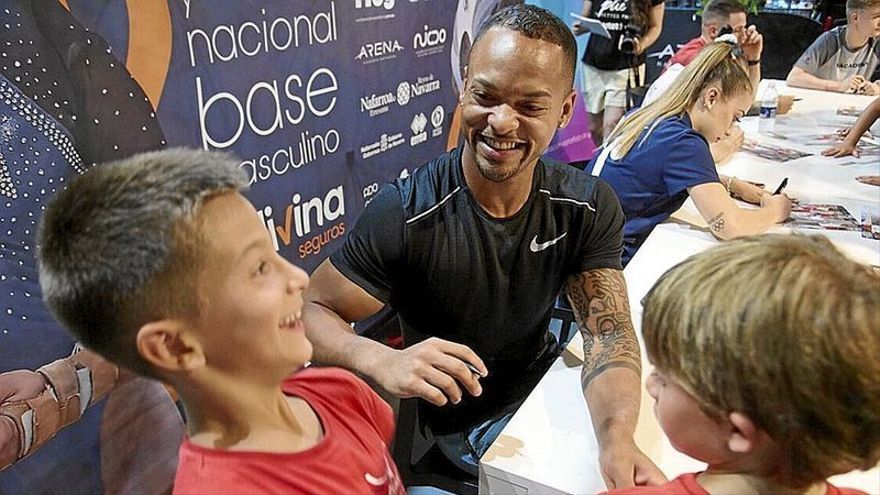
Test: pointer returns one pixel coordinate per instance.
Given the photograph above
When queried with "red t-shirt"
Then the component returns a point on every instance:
(686, 484)
(351, 458)
(687, 53)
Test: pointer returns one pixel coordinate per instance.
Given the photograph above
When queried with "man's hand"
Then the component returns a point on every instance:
(623, 464)
(578, 28)
(21, 385)
(434, 370)
(752, 43)
(842, 149)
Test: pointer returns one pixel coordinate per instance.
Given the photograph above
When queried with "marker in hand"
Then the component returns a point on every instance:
(781, 186)
(473, 369)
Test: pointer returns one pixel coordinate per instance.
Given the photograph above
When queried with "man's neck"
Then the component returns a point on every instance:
(498, 199)
(248, 417)
(718, 483)
(854, 40)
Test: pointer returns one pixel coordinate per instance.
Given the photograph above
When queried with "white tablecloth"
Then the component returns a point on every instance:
(549, 446)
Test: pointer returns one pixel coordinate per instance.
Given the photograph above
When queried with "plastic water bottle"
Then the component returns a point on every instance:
(769, 102)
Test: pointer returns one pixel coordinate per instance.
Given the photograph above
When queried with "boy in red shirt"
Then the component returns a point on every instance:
(767, 356)
(158, 263)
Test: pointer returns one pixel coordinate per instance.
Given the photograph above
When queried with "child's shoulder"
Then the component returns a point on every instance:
(339, 395)
(324, 380)
(833, 490)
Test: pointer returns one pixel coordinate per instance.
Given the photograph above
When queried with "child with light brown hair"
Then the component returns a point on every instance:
(767, 356)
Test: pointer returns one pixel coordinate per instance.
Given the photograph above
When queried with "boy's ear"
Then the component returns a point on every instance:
(168, 346)
(744, 434)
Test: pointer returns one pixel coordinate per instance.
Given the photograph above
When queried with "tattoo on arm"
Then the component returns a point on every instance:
(601, 308)
(716, 223)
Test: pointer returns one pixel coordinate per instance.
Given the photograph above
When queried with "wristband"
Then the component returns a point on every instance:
(752, 63)
(729, 183)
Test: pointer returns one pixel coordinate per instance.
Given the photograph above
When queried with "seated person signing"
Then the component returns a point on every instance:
(158, 263)
(845, 59)
(660, 154)
(770, 382)
(472, 250)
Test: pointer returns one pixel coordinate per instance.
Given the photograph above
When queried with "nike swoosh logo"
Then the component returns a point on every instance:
(375, 480)
(536, 247)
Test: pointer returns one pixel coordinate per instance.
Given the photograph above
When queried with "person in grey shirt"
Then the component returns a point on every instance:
(846, 58)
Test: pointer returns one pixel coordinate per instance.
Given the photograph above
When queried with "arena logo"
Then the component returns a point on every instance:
(302, 218)
(371, 6)
(379, 51)
(418, 127)
(437, 116)
(385, 143)
(429, 41)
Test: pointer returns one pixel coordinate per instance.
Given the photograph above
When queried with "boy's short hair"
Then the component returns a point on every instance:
(719, 10)
(120, 246)
(854, 5)
(786, 330)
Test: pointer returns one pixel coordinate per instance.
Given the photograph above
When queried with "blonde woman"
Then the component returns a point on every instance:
(659, 155)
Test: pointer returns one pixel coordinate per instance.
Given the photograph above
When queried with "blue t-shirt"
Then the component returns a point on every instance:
(652, 180)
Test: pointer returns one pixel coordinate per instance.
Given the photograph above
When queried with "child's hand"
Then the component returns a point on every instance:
(842, 149)
(869, 88)
(852, 84)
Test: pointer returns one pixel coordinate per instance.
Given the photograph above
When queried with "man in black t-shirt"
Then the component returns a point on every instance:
(472, 249)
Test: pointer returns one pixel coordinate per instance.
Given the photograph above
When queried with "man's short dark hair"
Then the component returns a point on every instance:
(720, 10)
(536, 23)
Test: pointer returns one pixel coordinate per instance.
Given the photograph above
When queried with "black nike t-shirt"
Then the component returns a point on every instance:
(427, 248)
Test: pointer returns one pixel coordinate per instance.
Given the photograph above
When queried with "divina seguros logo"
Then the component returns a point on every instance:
(308, 221)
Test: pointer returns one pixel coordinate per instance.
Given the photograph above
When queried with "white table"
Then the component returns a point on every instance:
(549, 446)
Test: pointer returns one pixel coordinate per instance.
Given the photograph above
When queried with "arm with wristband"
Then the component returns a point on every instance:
(37, 404)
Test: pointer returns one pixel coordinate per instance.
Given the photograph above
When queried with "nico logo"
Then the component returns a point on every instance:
(429, 41)
(429, 37)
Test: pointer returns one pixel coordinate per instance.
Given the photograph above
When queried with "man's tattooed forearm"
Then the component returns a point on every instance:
(716, 223)
(601, 308)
